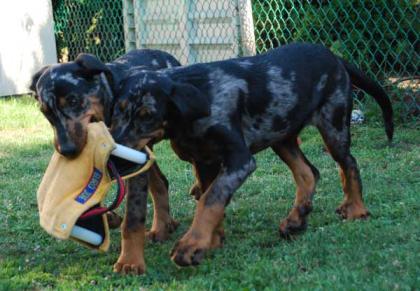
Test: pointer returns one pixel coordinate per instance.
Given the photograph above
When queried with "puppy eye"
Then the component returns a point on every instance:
(72, 101)
(145, 113)
(122, 105)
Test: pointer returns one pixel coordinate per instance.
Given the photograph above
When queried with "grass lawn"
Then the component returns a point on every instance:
(380, 253)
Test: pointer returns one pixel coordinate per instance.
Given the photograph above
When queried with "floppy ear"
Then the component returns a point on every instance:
(166, 85)
(36, 77)
(91, 65)
(189, 102)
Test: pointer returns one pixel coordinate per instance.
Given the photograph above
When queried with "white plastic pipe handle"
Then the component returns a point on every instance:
(129, 154)
(86, 235)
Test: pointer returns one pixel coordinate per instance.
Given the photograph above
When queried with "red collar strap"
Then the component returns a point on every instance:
(117, 201)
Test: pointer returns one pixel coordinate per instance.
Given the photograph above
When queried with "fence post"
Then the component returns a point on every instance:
(185, 26)
(129, 26)
(246, 26)
(140, 23)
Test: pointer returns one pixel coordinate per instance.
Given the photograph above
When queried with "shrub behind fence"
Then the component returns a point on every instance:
(380, 36)
(93, 26)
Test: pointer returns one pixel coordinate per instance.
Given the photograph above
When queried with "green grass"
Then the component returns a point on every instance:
(378, 254)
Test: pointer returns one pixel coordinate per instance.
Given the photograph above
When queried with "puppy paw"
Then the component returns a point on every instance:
(189, 251)
(129, 268)
(288, 227)
(131, 259)
(352, 211)
(162, 231)
(296, 221)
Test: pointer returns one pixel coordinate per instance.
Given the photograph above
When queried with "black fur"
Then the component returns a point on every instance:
(242, 106)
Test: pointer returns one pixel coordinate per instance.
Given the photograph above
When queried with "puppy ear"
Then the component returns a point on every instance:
(36, 77)
(189, 102)
(166, 85)
(91, 65)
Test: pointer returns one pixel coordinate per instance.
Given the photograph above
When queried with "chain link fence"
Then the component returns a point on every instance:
(193, 31)
(381, 37)
(94, 26)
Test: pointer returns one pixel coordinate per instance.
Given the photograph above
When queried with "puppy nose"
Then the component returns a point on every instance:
(68, 150)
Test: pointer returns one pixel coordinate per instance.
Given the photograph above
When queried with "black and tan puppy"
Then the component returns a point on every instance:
(217, 115)
(73, 94)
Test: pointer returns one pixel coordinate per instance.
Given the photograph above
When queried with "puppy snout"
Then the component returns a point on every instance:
(68, 150)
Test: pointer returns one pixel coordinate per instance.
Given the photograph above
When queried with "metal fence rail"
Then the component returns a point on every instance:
(380, 36)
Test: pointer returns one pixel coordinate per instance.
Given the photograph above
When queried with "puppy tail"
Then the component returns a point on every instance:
(361, 81)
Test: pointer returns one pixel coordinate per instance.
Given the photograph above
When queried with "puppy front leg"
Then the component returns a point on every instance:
(211, 208)
(131, 259)
(205, 175)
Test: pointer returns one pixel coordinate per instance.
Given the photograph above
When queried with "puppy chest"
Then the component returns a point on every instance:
(203, 150)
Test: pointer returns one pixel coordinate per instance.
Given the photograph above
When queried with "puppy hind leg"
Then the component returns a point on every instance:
(163, 224)
(306, 177)
(205, 175)
(335, 131)
(352, 207)
(114, 220)
(196, 189)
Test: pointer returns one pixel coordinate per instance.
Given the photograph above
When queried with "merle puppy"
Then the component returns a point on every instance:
(217, 115)
(73, 94)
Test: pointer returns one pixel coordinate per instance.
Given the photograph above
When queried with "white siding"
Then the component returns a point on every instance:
(193, 31)
(26, 42)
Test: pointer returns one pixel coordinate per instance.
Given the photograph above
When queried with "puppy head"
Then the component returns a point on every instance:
(149, 100)
(70, 96)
